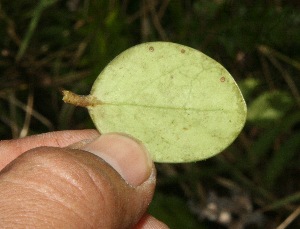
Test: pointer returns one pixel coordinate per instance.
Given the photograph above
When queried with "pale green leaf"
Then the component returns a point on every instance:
(180, 103)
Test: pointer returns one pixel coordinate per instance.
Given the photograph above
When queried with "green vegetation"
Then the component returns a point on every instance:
(50, 45)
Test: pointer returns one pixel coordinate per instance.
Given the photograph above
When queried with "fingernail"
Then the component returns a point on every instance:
(125, 154)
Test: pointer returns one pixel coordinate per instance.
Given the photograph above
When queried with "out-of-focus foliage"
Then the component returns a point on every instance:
(49, 45)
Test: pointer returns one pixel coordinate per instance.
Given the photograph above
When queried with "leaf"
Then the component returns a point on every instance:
(269, 107)
(181, 104)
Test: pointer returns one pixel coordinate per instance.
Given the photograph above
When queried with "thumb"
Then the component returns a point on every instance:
(72, 188)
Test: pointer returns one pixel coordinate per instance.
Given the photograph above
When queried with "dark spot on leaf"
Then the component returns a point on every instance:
(151, 49)
(222, 79)
(182, 51)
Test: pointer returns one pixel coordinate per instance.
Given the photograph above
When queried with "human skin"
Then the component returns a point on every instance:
(76, 179)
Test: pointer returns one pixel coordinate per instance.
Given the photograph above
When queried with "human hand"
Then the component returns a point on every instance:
(76, 179)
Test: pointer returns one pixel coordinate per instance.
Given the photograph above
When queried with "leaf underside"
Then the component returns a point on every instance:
(180, 103)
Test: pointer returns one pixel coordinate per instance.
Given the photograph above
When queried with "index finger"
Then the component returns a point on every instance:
(11, 149)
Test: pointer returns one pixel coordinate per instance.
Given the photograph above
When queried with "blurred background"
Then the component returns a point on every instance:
(50, 45)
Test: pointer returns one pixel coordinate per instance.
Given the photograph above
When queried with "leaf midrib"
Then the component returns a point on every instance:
(167, 107)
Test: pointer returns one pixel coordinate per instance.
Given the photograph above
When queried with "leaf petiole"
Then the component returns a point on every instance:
(80, 100)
